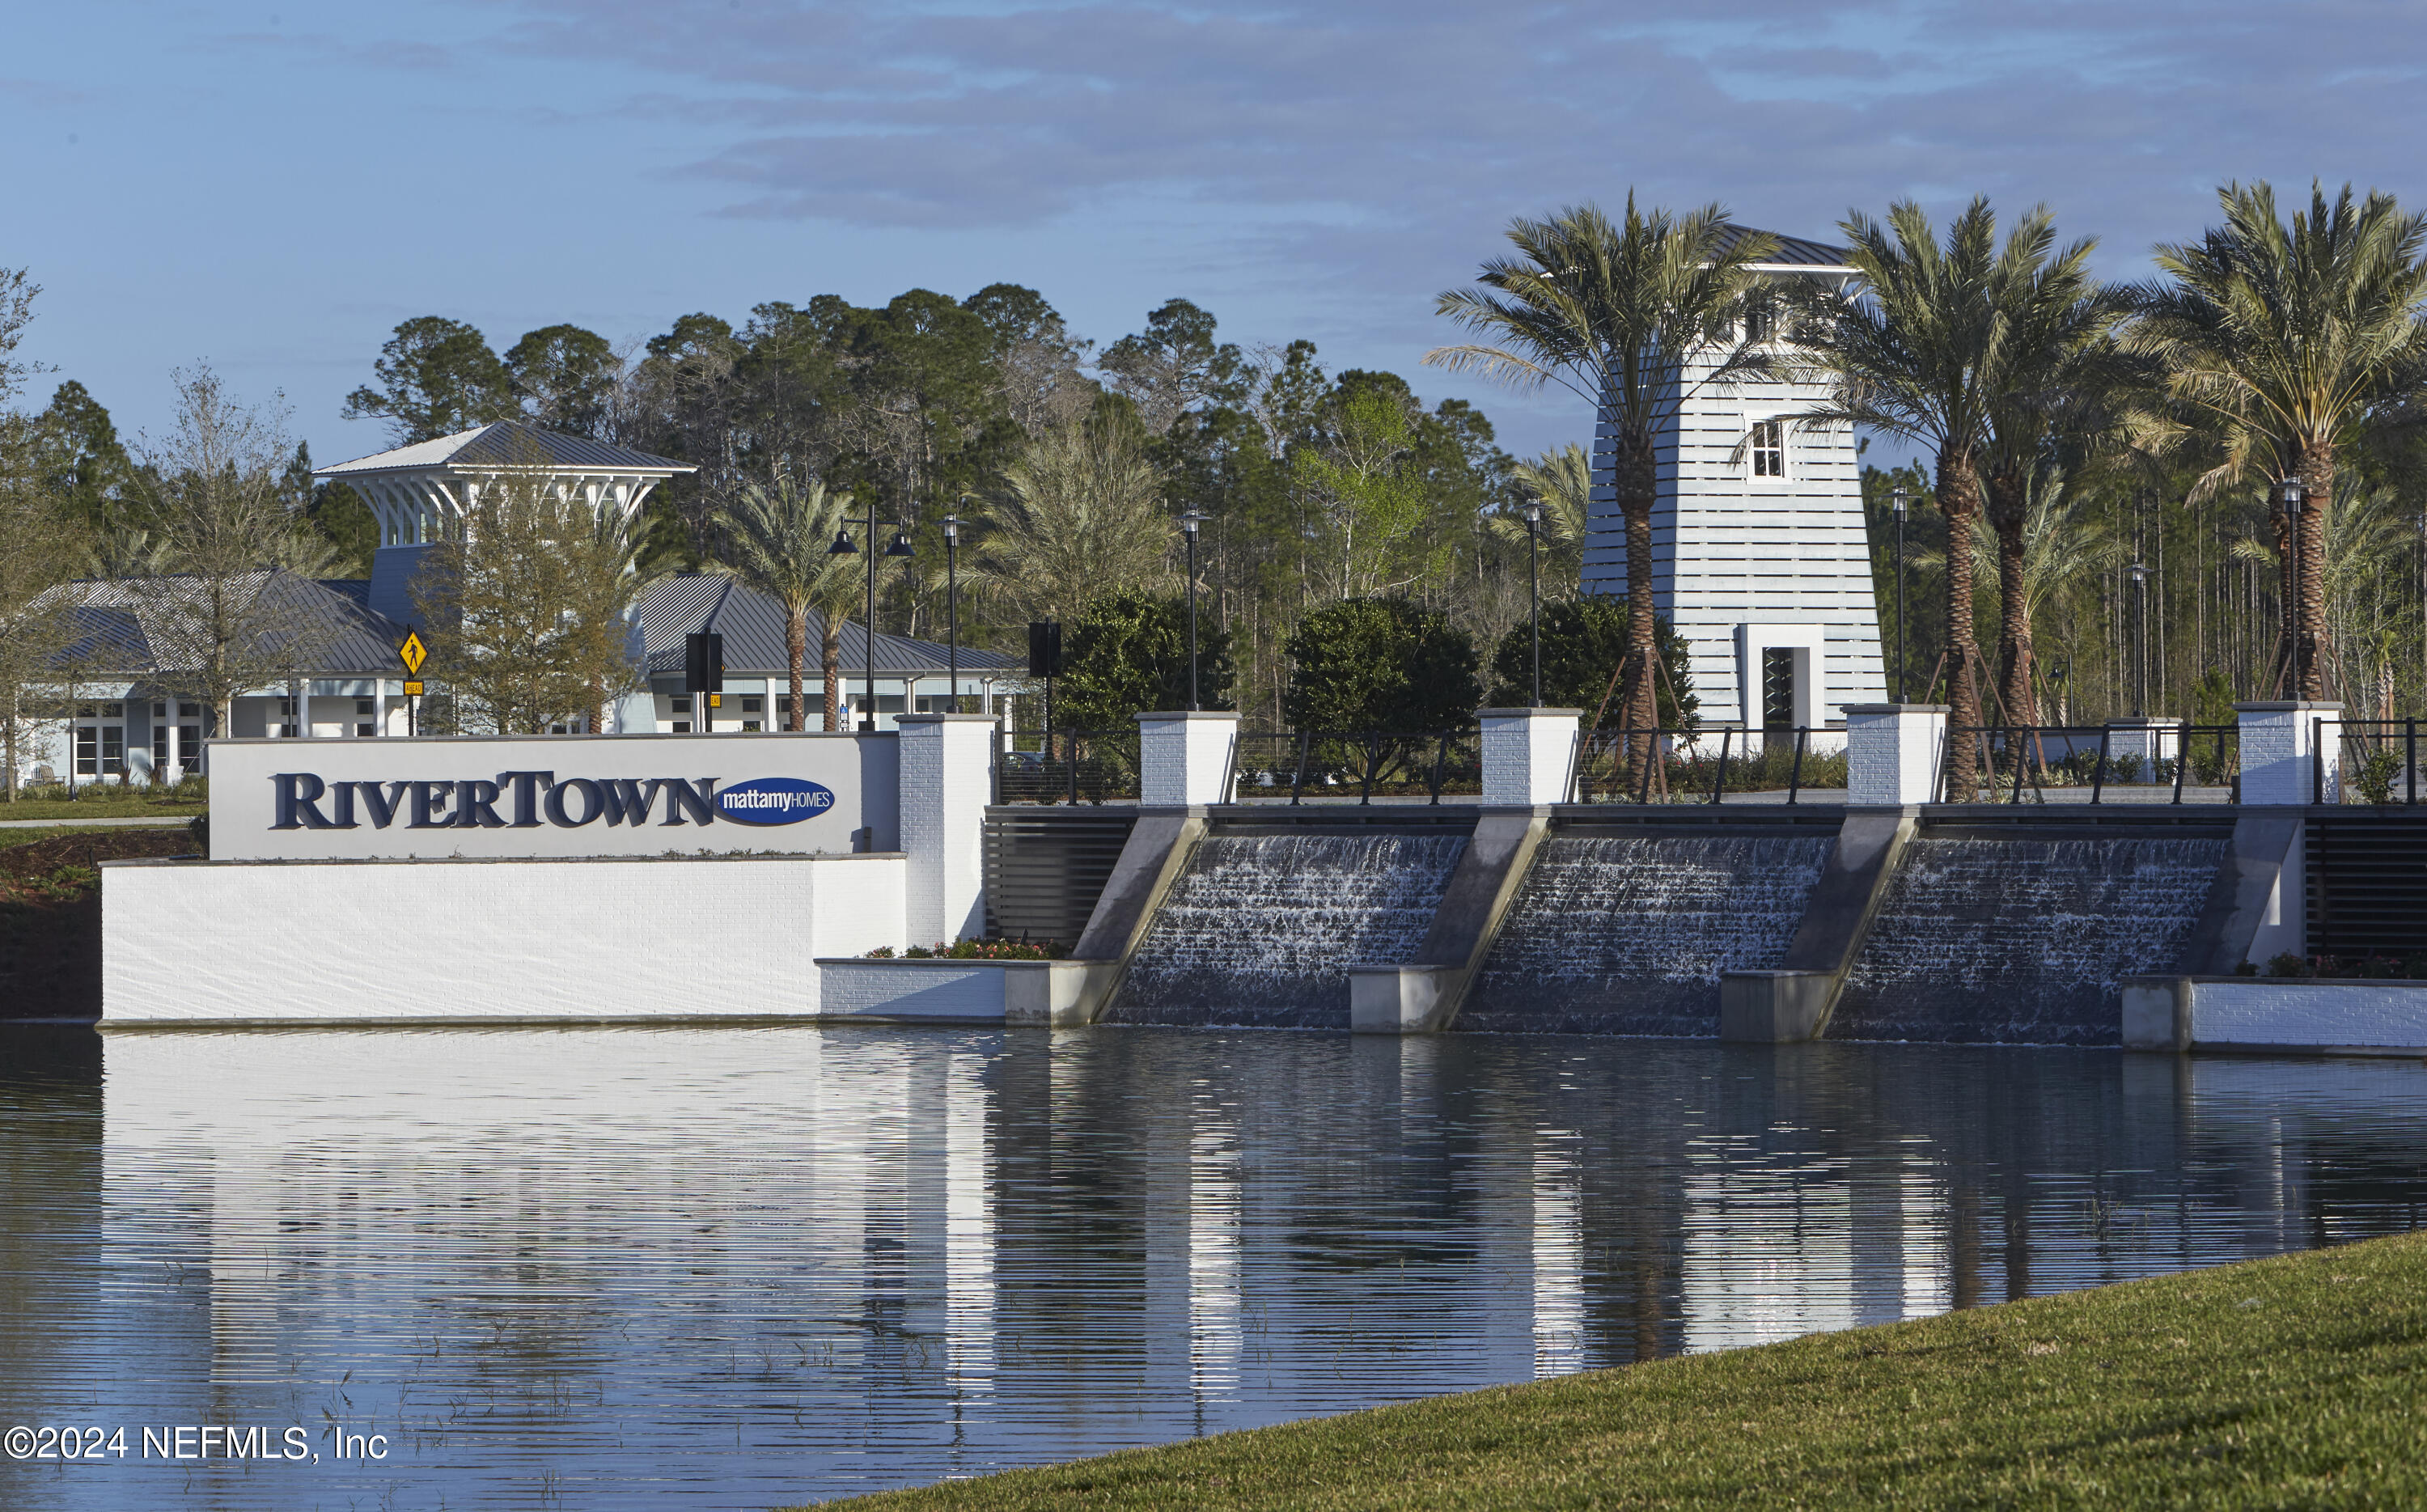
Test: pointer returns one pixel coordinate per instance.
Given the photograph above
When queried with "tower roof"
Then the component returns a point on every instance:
(1792, 251)
(508, 444)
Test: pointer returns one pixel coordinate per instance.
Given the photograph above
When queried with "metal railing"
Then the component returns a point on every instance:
(1678, 765)
(1068, 766)
(2172, 764)
(2376, 761)
(1326, 766)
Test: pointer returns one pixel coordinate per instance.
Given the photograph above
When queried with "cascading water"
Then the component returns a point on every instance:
(2019, 941)
(1629, 935)
(1262, 929)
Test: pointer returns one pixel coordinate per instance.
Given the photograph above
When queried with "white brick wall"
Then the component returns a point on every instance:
(946, 765)
(1185, 758)
(339, 940)
(1527, 754)
(1893, 753)
(2390, 1014)
(2277, 742)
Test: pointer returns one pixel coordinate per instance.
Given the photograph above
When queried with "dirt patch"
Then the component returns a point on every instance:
(94, 846)
(50, 917)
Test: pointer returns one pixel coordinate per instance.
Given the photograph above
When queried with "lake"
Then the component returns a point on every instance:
(735, 1268)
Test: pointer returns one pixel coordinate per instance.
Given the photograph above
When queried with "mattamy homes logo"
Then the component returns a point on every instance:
(529, 799)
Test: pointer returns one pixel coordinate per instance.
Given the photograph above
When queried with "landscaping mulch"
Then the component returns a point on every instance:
(50, 916)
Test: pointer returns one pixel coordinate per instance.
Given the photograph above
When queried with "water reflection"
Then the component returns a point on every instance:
(729, 1268)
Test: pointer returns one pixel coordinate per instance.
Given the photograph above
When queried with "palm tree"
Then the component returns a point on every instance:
(2288, 338)
(1561, 481)
(2059, 373)
(1637, 319)
(775, 541)
(1082, 515)
(1930, 344)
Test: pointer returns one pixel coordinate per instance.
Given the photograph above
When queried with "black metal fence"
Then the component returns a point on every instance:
(1678, 765)
(2377, 762)
(2095, 764)
(1067, 767)
(1316, 766)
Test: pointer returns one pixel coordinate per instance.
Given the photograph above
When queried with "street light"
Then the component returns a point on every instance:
(1189, 522)
(2294, 495)
(1898, 499)
(1534, 582)
(844, 546)
(953, 600)
(2139, 576)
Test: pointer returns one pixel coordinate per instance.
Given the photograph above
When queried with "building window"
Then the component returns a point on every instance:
(1761, 321)
(287, 709)
(362, 706)
(363, 730)
(189, 711)
(190, 747)
(159, 710)
(754, 705)
(681, 703)
(682, 726)
(1769, 450)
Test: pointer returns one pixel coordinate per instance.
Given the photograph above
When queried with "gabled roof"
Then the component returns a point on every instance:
(753, 626)
(1792, 251)
(508, 444)
(129, 625)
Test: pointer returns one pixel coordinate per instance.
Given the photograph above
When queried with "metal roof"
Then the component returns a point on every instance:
(129, 625)
(1793, 252)
(508, 444)
(753, 626)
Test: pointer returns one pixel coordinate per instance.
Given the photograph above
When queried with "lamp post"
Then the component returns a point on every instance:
(844, 546)
(2139, 576)
(2294, 496)
(1898, 498)
(952, 602)
(1534, 582)
(1189, 522)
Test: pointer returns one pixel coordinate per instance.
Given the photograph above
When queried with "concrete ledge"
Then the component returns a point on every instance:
(2284, 1015)
(1775, 1007)
(1402, 1000)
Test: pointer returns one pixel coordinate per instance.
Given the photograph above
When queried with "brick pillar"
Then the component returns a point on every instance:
(1893, 754)
(1185, 758)
(946, 760)
(1528, 755)
(2279, 752)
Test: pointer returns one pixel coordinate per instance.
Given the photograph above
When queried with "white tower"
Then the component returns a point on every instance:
(1760, 557)
(420, 494)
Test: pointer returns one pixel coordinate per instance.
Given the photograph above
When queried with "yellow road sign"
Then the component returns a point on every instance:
(412, 651)
(413, 690)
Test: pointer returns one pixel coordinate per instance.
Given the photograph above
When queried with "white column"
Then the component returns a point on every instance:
(1894, 752)
(1184, 757)
(379, 707)
(2280, 751)
(946, 762)
(1528, 755)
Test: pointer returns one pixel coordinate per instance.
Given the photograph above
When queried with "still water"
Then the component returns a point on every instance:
(636, 1268)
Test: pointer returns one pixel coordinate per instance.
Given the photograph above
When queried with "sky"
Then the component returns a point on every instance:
(271, 188)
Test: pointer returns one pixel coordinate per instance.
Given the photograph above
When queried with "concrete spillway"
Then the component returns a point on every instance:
(1261, 928)
(2023, 941)
(1618, 936)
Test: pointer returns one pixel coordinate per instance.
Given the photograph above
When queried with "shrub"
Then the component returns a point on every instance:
(2289, 965)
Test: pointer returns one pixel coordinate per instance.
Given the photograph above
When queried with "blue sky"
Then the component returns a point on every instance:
(272, 187)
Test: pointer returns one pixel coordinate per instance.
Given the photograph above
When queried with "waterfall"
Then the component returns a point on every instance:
(1262, 929)
(1629, 937)
(2021, 941)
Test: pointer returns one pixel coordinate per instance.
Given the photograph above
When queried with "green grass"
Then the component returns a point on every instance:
(2292, 1382)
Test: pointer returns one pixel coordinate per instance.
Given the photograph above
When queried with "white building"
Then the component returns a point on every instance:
(123, 722)
(1760, 557)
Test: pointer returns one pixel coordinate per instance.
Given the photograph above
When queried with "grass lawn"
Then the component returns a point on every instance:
(2291, 1382)
(134, 803)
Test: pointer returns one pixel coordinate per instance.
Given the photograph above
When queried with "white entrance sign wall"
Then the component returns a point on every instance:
(488, 941)
(523, 796)
(945, 764)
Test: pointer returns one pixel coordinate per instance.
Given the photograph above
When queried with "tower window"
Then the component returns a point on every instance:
(1769, 450)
